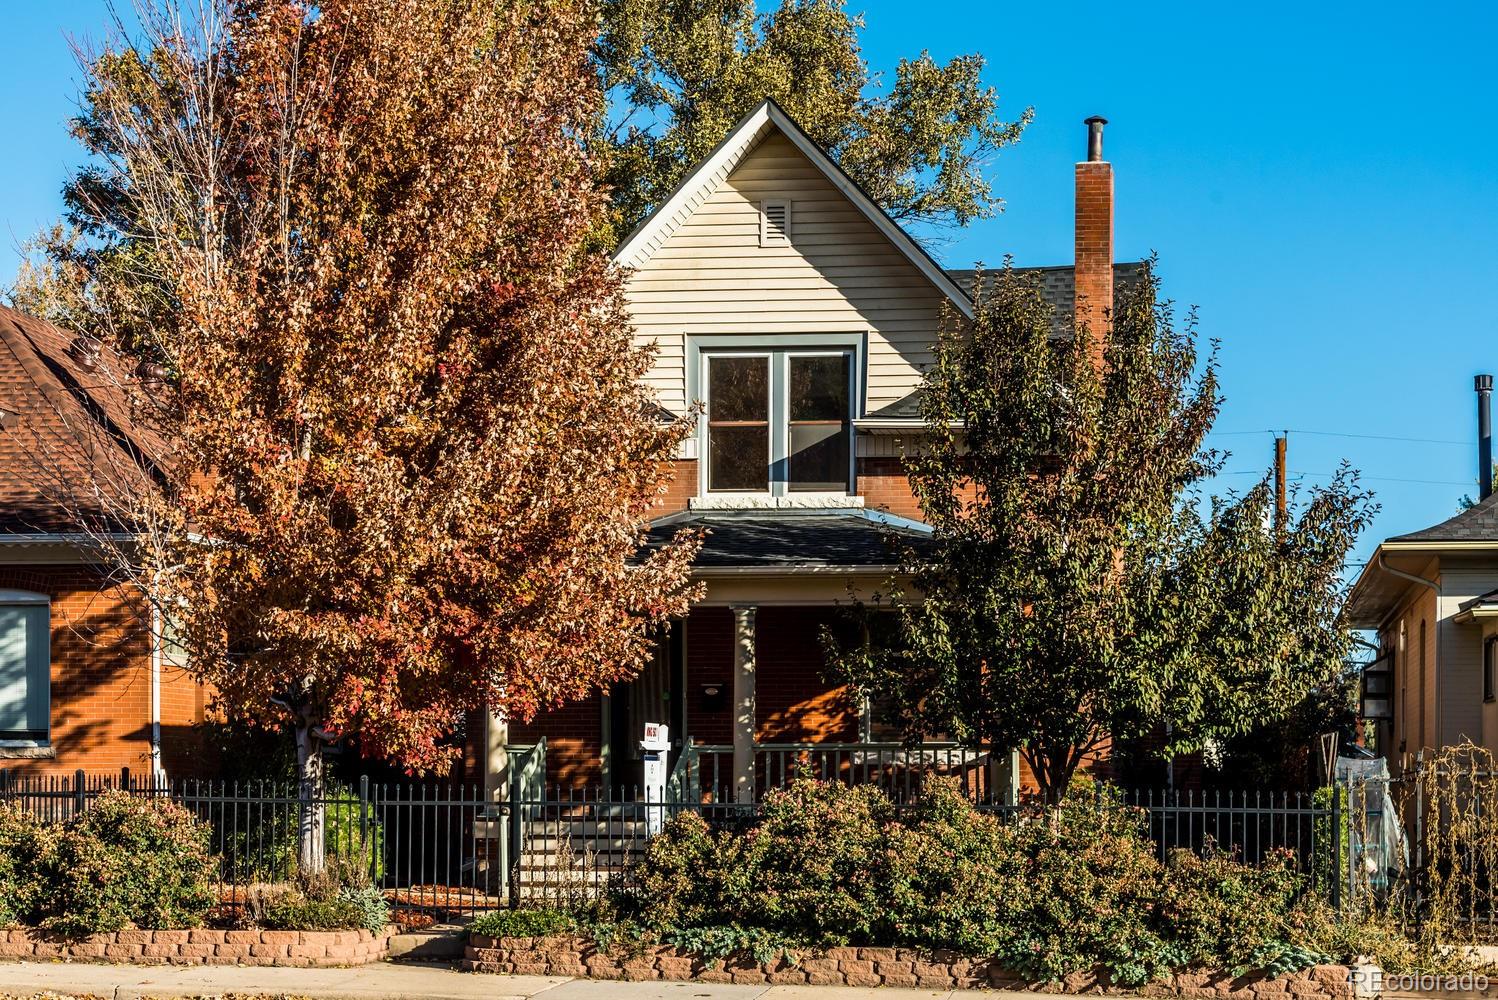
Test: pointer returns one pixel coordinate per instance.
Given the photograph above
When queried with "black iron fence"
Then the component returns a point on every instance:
(449, 850)
(574, 841)
(432, 848)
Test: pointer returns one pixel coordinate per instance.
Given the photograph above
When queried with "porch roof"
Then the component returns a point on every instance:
(791, 539)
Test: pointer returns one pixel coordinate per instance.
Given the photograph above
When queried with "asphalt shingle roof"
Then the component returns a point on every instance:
(1478, 523)
(772, 539)
(1058, 286)
(68, 435)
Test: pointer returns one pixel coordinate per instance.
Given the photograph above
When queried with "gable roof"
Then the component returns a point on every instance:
(707, 176)
(68, 436)
(1478, 523)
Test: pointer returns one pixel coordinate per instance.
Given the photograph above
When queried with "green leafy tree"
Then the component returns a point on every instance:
(1078, 588)
(681, 73)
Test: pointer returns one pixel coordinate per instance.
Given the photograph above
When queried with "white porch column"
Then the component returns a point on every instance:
(496, 758)
(743, 702)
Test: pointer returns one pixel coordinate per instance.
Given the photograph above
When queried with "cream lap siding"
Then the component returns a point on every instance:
(1459, 694)
(1421, 603)
(838, 275)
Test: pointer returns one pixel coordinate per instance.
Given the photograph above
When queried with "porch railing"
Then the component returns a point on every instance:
(527, 770)
(896, 769)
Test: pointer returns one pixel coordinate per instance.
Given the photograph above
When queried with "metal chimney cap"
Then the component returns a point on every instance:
(1095, 138)
(1482, 383)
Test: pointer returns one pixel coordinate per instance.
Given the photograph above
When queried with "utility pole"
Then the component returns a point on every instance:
(1281, 504)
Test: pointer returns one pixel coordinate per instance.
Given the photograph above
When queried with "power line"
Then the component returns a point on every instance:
(1345, 434)
(1332, 475)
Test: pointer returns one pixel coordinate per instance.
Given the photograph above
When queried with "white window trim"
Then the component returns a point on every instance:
(27, 598)
(779, 439)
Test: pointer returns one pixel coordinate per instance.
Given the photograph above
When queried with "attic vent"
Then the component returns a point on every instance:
(84, 351)
(774, 223)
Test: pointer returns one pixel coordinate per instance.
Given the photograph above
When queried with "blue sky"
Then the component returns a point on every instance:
(1319, 179)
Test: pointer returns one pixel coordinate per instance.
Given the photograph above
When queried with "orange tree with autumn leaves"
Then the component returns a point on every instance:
(408, 450)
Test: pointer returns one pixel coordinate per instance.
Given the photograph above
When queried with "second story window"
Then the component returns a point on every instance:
(779, 421)
(738, 422)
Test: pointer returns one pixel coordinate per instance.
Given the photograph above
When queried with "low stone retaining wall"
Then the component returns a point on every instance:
(567, 955)
(301, 949)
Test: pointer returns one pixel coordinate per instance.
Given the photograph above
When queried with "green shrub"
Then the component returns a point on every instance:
(522, 923)
(1089, 880)
(952, 877)
(1220, 912)
(340, 897)
(130, 861)
(25, 855)
(813, 869)
(292, 911)
(819, 858)
(688, 877)
(717, 942)
(1076, 888)
(374, 910)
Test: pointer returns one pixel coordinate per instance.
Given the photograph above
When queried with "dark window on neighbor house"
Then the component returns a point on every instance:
(1489, 655)
(25, 666)
(779, 422)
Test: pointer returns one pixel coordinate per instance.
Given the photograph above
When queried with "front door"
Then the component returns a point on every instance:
(655, 695)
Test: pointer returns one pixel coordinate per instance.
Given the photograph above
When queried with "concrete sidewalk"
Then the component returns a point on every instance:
(397, 981)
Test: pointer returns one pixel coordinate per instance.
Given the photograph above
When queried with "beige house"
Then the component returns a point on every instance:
(797, 319)
(1432, 598)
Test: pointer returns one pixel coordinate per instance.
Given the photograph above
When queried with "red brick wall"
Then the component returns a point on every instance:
(184, 706)
(793, 703)
(681, 489)
(574, 741)
(1094, 250)
(883, 486)
(101, 681)
(709, 637)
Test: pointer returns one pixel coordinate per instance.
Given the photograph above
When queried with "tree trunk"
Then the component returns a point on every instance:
(311, 825)
(1053, 768)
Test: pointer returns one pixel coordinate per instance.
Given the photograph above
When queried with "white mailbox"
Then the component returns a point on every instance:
(654, 747)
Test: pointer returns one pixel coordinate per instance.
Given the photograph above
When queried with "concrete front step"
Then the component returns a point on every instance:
(438, 943)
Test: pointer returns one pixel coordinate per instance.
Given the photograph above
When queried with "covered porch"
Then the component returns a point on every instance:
(741, 681)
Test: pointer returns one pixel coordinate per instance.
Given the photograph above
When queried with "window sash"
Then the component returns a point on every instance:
(778, 481)
(738, 424)
(25, 671)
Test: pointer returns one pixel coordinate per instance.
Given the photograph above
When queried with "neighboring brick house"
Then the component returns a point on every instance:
(801, 318)
(83, 685)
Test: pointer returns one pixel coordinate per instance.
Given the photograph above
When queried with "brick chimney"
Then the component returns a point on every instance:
(1094, 259)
